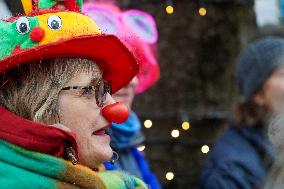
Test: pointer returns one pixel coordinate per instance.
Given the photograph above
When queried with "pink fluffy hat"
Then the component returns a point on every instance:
(137, 29)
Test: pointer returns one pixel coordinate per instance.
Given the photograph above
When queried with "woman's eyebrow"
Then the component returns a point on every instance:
(93, 80)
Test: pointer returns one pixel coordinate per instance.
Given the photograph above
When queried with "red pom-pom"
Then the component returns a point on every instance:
(37, 34)
(117, 112)
(72, 5)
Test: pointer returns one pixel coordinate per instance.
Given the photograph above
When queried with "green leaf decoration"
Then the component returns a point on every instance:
(46, 4)
(10, 38)
(80, 4)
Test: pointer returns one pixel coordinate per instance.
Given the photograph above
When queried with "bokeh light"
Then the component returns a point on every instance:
(148, 123)
(141, 148)
(175, 133)
(169, 9)
(205, 149)
(185, 125)
(202, 11)
(170, 176)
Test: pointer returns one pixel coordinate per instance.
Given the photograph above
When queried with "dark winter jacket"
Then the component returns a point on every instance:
(239, 160)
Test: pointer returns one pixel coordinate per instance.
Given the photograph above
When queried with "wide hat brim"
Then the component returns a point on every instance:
(114, 59)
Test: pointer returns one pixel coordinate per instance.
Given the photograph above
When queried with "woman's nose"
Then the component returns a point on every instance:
(116, 112)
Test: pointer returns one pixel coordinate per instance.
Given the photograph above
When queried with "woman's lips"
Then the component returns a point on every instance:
(101, 131)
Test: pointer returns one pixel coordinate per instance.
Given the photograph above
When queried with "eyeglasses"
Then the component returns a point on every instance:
(99, 89)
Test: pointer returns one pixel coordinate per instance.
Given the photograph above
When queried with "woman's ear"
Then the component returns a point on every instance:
(259, 98)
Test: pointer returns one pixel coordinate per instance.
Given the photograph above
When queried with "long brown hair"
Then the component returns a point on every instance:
(251, 114)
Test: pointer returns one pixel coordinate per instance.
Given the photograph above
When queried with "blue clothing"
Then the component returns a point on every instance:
(148, 177)
(127, 134)
(239, 160)
(125, 138)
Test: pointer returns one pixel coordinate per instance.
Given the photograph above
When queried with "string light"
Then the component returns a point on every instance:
(185, 125)
(169, 9)
(205, 149)
(148, 123)
(141, 148)
(170, 176)
(175, 133)
(202, 11)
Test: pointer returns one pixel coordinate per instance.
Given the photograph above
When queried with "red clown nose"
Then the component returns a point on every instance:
(117, 112)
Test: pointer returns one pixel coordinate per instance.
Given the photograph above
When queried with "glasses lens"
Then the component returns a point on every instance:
(108, 87)
(102, 89)
(101, 93)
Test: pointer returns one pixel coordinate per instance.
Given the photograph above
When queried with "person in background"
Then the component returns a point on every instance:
(138, 31)
(243, 154)
(276, 135)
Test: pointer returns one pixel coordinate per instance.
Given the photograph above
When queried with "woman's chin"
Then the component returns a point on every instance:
(97, 158)
(107, 154)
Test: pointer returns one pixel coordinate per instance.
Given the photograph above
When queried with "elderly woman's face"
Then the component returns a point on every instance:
(79, 112)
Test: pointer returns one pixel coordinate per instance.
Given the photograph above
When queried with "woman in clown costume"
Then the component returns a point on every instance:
(57, 77)
(137, 30)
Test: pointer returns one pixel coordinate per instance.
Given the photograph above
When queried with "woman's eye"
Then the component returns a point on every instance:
(23, 25)
(87, 92)
(54, 22)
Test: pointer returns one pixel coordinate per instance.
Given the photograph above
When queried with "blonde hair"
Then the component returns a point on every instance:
(31, 91)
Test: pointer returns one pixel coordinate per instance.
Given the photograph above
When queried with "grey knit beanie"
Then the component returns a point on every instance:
(256, 62)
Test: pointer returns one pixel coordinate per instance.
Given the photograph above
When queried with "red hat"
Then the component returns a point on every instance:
(48, 33)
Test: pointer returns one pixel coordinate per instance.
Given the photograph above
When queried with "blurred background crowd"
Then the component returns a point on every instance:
(204, 87)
